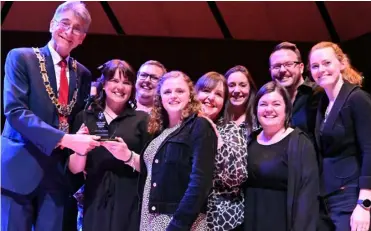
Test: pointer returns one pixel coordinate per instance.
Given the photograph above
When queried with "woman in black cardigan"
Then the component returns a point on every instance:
(282, 187)
(343, 129)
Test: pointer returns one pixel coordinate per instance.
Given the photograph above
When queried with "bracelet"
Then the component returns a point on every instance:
(132, 164)
(131, 157)
(81, 154)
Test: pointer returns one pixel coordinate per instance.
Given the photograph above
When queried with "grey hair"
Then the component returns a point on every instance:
(78, 8)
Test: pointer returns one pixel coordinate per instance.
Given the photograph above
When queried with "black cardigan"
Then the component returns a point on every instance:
(302, 183)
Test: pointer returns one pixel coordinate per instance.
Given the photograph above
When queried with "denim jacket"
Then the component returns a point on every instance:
(182, 172)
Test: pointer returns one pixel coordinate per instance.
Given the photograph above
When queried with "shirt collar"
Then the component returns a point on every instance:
(55, 56)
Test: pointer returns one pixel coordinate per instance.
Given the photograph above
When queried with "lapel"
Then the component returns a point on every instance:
(340, 100)
(50, 68)
(319, 117)
(72, 82)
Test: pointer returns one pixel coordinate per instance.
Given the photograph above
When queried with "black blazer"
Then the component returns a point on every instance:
(31, 132)
(183, 171)
(344, 140)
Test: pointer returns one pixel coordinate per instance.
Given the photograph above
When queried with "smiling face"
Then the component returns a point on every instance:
(67, 32)
(325, 67)
(212, 100)
(147, 81)
(175, 96)
(285, 67)
(239, 89)
(118, 89)
(271, 110)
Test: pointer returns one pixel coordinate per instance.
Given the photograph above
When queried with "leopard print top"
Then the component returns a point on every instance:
(226, 200)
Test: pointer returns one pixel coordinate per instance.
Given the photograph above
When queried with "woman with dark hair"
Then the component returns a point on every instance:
(110, 196)
(212, 92)
(225, 203)
(342, 133)
(234, 124)
(283, 183)
(242, 91)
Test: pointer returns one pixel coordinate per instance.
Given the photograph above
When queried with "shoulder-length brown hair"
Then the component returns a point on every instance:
(209, 81)
(250, 119)
(108, 71)
(159, 118)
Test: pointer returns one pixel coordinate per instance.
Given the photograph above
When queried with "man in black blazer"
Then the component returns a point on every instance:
(286, 67)
(43, 90)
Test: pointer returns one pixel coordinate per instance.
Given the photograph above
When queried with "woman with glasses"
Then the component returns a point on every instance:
(110, 196)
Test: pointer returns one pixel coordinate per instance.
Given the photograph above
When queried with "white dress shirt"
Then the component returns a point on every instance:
(57, 68)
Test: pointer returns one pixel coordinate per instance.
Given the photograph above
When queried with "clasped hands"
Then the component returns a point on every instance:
(117, 148)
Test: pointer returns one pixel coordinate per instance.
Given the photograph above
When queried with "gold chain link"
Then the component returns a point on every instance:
(64, 110)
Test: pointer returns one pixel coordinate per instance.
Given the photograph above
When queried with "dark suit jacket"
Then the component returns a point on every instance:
(345, 140)
(31, 132)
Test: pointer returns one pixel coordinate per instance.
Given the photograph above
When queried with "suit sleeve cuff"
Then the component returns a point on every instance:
(365, 182)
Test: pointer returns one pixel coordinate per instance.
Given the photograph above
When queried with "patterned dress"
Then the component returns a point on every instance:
(226, 200)
(79, 195)
(156, 221)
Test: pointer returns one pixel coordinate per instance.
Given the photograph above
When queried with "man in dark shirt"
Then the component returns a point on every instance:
(287, 68)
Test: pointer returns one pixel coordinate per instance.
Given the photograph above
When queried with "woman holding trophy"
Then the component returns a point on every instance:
(110, 195)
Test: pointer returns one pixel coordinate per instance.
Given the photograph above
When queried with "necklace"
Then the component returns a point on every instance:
(108, 114)
(63, 110)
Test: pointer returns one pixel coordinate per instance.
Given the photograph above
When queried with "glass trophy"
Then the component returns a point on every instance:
(101, 129)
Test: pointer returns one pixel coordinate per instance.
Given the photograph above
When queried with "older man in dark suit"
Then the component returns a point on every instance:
(43, 90)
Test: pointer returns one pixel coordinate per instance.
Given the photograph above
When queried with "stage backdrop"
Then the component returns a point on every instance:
(194, 56)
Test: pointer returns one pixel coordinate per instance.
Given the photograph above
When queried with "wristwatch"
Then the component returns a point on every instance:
(366, 204)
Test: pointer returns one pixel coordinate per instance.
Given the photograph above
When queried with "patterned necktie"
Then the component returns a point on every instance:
(63, 95)
(63, 84)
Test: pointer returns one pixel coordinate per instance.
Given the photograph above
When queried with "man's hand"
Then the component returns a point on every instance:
(80, 143)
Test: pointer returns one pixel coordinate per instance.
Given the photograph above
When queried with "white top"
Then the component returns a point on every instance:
(56, 59)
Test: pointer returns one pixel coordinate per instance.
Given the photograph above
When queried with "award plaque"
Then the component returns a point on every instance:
(101, 129)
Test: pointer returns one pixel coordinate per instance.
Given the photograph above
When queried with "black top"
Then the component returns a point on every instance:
(267, 186)
(302, 190)
(345, 139)
(305, 107)
(110, 199)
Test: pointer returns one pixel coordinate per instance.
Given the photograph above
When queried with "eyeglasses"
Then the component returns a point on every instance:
(287, 65)
(66, 26)
(153, 78)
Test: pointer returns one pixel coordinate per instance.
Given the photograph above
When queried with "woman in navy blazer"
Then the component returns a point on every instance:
(342, 133)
